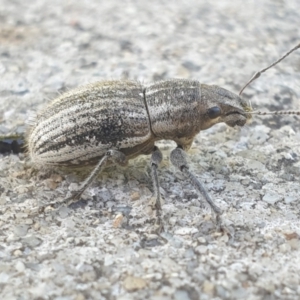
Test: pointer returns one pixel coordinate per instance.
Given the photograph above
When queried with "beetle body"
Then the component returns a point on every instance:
(110, 122)
(80, 126)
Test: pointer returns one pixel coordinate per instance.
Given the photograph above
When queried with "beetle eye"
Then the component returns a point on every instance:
(214, 112)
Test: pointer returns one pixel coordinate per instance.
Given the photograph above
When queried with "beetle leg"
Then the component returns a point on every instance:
(156, 159)
(111, 156)
(178, 159)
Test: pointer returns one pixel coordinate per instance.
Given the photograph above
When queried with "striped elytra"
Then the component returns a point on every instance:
(79, 126)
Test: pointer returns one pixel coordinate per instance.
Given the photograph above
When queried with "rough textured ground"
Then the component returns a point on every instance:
(87, 251)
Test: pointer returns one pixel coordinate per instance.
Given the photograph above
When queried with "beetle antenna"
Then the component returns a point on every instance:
(257, 74)
(279, 112)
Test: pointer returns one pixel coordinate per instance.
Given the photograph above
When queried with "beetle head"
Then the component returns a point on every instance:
(223, 106)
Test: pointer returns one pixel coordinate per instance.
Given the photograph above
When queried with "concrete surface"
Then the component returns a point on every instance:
(104, 248)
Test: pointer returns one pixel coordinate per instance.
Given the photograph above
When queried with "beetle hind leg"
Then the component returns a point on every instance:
(110, 157)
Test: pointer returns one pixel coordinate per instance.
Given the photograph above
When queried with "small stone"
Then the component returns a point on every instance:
(224, 238)
(3, 200)
(32, 241)
(118, 220)
(283, 248)
(21, 230)
(52, 185)
(17, 253)
(191, 66)
(189, 253)
(294, 244)
(21, 215)
(254, 164)
(48, 209)
(132, 283)
(268, 236)
(36, 226)
(221, 292)
(63, 212)
(290, 199)
(36, 266)
(20, 267)
(181, 295)
(28, 221)
(201, 249)
(255, 270)
(105, 195)
(202, 240)
(291, 235)
(56, 178)
(135, 196)
(80, 297)
(259, 136)
(208, 287)
(186, 231)
(271, 198)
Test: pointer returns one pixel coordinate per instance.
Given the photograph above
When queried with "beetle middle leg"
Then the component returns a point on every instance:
(178, 159)
(111, 156)
(156, 159)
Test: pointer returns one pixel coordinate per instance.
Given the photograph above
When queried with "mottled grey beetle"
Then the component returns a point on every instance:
(110, 122)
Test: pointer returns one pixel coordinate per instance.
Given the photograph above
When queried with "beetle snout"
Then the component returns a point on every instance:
(235, 119)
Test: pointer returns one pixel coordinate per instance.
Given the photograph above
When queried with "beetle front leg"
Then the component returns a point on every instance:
(111, 156)
(178, 159)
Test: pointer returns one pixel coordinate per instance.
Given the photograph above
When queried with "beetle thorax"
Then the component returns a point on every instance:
(173, 108)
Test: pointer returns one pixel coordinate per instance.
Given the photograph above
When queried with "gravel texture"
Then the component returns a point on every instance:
(104, 246)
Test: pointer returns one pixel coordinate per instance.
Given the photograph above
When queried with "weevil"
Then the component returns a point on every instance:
(111, 122)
